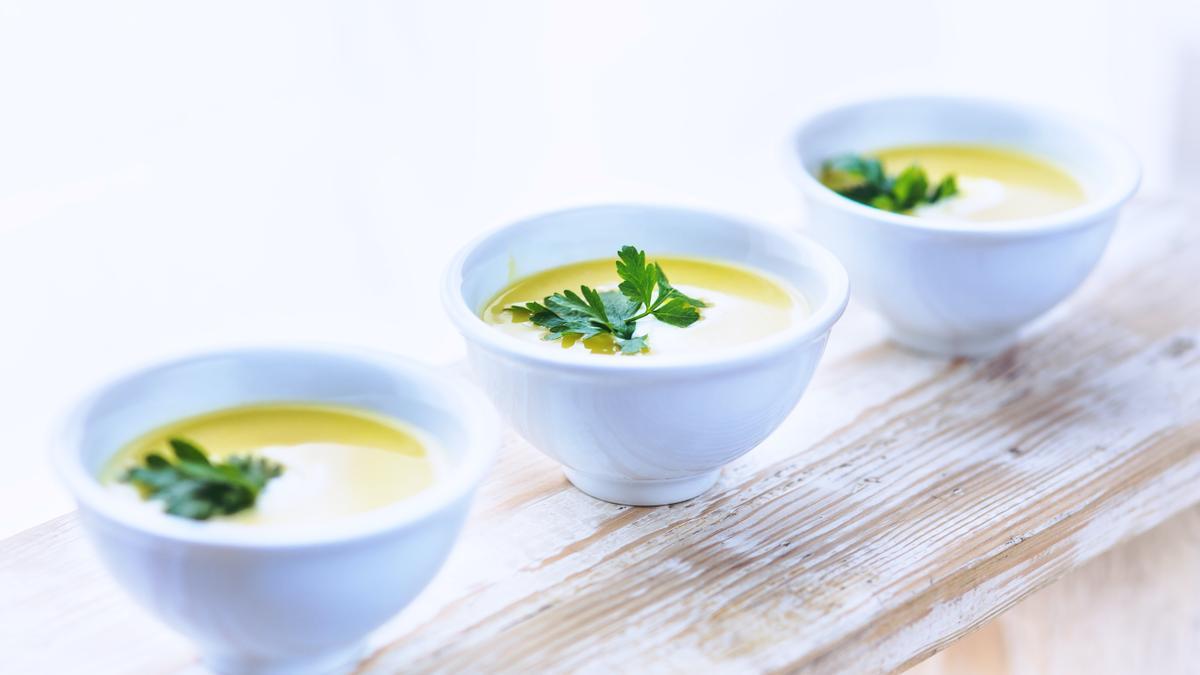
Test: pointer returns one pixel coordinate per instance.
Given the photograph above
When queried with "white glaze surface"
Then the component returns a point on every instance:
(278, 599)
(637, 429)
(948, 286)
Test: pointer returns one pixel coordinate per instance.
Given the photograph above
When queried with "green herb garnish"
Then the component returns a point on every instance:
(644, 291)
(193, 487)
(863, 180)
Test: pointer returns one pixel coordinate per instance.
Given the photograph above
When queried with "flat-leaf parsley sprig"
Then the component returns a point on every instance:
(193, 487)
(863, 180)
(644, 291)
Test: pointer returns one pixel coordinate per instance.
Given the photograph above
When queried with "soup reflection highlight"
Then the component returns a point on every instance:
(994, 184)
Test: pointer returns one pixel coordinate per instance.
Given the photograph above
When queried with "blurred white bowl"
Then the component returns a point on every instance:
(643, 430)
(957, 287)
(278, 599)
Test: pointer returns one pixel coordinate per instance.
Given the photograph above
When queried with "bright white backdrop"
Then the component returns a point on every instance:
(175, 176)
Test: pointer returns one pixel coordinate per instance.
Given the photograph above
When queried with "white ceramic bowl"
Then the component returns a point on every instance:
(655, 429)
(963, 288)
(278, 600)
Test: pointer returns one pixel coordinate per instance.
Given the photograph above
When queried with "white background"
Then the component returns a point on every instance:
(175, 176)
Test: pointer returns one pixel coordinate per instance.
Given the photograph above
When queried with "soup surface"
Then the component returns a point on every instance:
(337, 460)
(993, 183)
(741, 306)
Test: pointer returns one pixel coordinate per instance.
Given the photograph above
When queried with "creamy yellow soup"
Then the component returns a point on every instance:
(337, 460)
(993, 183)
(742, 306)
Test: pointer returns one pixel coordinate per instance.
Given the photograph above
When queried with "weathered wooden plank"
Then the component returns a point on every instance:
(1134, 609)
(905, 502)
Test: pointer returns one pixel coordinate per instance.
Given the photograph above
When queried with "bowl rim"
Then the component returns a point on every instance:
(1125, 182)
(812, 327)
(478, 417)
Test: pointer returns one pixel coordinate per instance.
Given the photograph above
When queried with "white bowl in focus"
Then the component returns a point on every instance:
(647, 429)
(278, 599)
(958, 287)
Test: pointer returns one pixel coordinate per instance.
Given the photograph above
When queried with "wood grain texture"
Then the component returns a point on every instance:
(1134, 609)
(905, 502)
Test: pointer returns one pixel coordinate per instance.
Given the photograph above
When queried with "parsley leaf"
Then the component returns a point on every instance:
(677, 312)
(864, 180)
(667, 292)
(193, 487)
(909, 187)
(633, 345)
(644, 291)
(637, 279)
(947, 188)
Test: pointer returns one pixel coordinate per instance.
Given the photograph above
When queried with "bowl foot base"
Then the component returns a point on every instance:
(334, 662)
(971, 346)
(642, 492)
